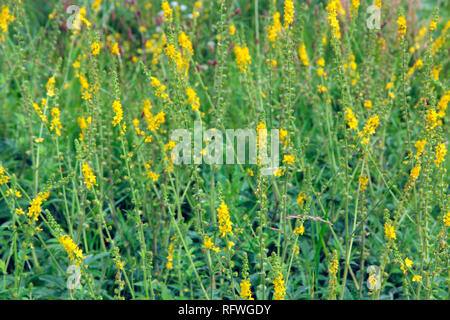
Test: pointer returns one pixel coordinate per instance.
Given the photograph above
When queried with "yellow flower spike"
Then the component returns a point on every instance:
(363, 180)
(389, 231)
(303, 55)
(245, 293)
(300, 230)
(168, 13)
(301, 199)
(416, 278)
(351, 119)
(95, 48)
(193, 99)
(288, 13)
(56, 121)
(118, 111)
(243, 58)
(332, 8)
(446, 219)
(232, 29)
(279, 287)
(274, 29)
(225, 224)
(50, 86)
(368, 104)
(401, 22)
(288, 159)
(89, 177)
(441, 151)
(72, 249)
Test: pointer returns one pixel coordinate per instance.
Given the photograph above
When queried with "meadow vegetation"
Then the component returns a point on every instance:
(92, 205)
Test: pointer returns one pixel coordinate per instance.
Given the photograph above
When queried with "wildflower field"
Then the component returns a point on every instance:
(350, 96)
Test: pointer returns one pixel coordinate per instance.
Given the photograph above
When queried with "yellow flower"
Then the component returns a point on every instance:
(159, 88)
(406, 265)
(168, 14)
(408, 262)
(321, 62)
(246, 293)
(289, 159)
(442, 105)
(432, 119)
(176, 57)
(446, 219)
(352, 121)
(232, 29)
(3, 177)
(35, 206)
(89, 177)
(72, 249)
(332, 9)
(301, 199)
(283, 136)
(95, 48)
(279, 287)
(333, 266)
(433, 25)
(435, 72)
(415, 172)
(5, 19)
(389, 231)
(288, 13)
(170, 145)
(118, 111)
(185, 43)
(420, 147)
(208, 244)
(279, 172)
(416, 278)
(322, 89)
(368, 104)
(119, 265)
(152, 175)
(50, 87)
(441, 151)
(363, 180)
(81, 18)
(372, 280)
(154, 122)
(371, 125)
(275, 28)
(401, 22)
(243, 57)
(225, 224)
(354, 8)
(303, 55)
(96, 5)
(115, 49)
(193, 99)
(56, 121)
(300, 230)
(171, 250)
